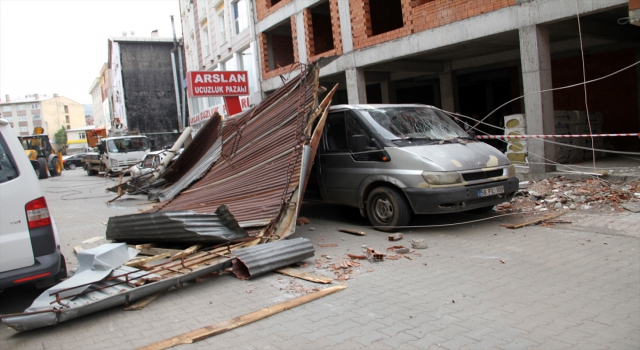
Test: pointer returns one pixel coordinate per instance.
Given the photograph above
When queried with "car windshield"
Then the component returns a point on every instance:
(427, 123)
(131, 144)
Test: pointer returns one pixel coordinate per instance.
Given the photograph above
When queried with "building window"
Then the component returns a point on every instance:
(271, 3)
(205, 41)
(35, 106)
(6, 108)
(280, 51)
(22, 118)
(66, 109)
(240, 18)
(24, 129)
(9, 119)
(22, 107)
(36, 117)
(82, 136)
(68, 127)
(384, 16)
(322, 30)
(222, 31)
(66, 119)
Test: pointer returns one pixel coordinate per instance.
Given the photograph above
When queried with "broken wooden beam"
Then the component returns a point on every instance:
(534, 221)
(287, 271)
(142, 303)
(209, 331)
(186, 252)
(142, 262)
(353, 232)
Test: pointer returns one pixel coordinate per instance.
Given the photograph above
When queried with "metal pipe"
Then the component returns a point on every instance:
(176, 80)
(172, 152)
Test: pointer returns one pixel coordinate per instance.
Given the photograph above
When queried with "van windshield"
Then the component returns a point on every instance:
(130, 144)
(402, 123)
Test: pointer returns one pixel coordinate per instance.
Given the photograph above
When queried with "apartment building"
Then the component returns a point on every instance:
(467, 56)
(219, 36)
(51, 113)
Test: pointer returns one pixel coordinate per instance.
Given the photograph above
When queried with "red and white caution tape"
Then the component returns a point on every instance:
(493, 137)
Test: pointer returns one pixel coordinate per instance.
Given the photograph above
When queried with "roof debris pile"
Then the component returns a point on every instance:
(561, 193)
(264, 157)
(238, 184)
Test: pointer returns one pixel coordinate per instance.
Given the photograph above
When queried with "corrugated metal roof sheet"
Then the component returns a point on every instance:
(262, 258)
(175, 227)
(261, 157)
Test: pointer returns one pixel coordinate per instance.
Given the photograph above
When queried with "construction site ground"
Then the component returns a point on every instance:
(476, 286)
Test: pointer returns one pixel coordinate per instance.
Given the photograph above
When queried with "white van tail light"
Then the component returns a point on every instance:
(38, 213)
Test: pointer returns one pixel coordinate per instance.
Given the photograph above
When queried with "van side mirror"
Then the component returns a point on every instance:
(35, 164)
(101, 148)
(359, 143)
(472, 134)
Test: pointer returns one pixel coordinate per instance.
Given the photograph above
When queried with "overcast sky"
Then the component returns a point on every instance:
(59, 46)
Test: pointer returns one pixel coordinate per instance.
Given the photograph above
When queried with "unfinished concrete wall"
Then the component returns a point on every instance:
(149, 91)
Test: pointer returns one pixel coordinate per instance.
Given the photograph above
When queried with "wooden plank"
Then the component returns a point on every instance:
(186, 252)
(141, 262)
(353, 232)
(143, 246)
(534, 221)
(142, 303)
(303, 275)
(328, 245)
(205, 332)
(157, 251)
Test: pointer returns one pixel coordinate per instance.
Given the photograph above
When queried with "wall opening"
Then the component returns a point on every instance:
(385, 16)
(321, 38)
(271, 3)
(280, 46)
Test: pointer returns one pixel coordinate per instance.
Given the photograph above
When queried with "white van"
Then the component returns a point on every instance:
(29, 247)
(392, 161)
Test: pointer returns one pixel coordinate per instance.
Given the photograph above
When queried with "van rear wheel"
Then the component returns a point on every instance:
(387, 209)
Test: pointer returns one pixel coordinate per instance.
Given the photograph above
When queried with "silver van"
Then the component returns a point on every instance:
(29, 247)
(392, 161)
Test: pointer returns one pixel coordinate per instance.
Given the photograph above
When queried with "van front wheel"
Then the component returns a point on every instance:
(387, 209)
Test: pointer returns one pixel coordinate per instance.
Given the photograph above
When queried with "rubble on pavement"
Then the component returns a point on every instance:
(561, 193)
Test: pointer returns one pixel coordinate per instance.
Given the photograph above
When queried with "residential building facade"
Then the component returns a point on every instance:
(77, 139)
(96, 98)
(219, 36)
(467, 56)
(50, 113)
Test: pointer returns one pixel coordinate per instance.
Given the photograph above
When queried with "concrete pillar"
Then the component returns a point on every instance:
(535, 58)
(388, 89)
(301, 38)
(356, 87)
(448, 89)
(345, 26)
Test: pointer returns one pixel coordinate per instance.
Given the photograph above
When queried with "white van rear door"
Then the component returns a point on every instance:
(16, 190)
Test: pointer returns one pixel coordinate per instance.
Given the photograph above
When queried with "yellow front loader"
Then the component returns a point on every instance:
(38, 148)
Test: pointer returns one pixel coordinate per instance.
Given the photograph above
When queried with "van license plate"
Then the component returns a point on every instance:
(490, 191)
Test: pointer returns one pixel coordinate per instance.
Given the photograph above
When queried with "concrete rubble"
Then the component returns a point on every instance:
(562, 193)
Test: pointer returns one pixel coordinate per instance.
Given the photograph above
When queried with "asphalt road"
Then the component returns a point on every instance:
(476, 286)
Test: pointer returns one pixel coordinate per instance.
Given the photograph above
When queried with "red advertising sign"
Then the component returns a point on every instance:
(218, 83)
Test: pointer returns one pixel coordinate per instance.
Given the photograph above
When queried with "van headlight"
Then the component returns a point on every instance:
(511, 172)
(441, 177)
(114, 163)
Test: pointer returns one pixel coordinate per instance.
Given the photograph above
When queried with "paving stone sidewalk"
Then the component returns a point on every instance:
(572, 286)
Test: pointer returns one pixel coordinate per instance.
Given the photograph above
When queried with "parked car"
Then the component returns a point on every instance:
(73, 161)
(29, 246)
(392, 161)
